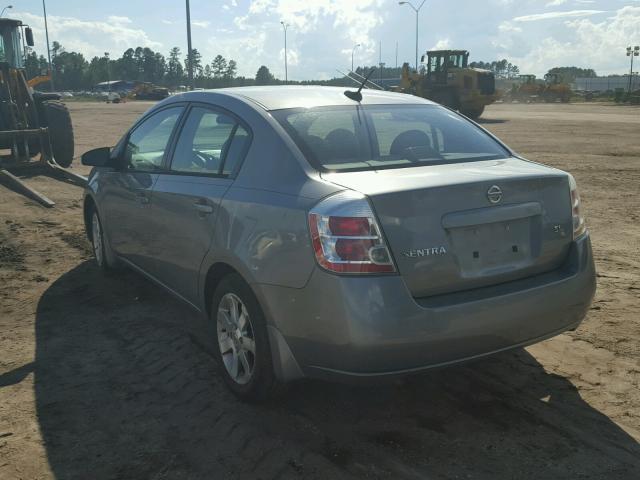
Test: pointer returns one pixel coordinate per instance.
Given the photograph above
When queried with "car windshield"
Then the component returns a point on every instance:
(373, 137)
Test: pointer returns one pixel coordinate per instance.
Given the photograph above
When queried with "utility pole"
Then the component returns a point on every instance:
(380, 64)
(396, 54)
(106, 55)
(417, 10)
(189, 50)
(286, 73)
(46, 32)
(632, 52)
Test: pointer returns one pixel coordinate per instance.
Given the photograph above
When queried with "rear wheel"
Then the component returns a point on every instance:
(58, 119)
(243, 351)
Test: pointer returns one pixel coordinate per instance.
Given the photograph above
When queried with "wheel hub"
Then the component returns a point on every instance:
(236, 338)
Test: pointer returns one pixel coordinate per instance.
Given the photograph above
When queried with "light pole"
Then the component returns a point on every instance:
(189, 50)
(286, 73)
(46, 33)
(8, 6)
(106, 55)
(352, 51)
(417, 10)
(632, 52)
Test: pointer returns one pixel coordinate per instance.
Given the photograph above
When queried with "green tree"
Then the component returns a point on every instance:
(70, 69)
(569, 74)
(32, 64)
(219, 66)
(197, 63)
(264, 76)
(175, 72)
(126, 67)
(500, 68)
(232, 68)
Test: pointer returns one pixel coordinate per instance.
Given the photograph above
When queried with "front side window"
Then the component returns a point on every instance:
(211, 142)
(343, 138)
(147, 143)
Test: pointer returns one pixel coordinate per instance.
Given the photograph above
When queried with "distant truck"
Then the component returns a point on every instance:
(149, 91)
(448, 80)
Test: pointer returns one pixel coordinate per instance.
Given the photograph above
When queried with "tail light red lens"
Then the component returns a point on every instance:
(353, 249)
(346, 237)
(349, 226)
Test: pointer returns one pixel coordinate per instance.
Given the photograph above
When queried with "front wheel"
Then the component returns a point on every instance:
(243, 351)
(99, 245)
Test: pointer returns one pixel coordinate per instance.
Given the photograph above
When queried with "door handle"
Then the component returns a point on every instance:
(203, 208)
(142, 198)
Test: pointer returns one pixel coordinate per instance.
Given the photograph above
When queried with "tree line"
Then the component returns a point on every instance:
(500, 68)
(72, 71)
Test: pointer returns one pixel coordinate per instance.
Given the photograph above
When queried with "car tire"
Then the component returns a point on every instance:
(473, 112)
(101, 253)
(242, 344)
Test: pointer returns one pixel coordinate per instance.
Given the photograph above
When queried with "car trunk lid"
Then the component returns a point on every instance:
(460, 226)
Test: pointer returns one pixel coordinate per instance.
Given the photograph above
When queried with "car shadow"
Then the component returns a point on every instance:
(126, 387)
(489, 121)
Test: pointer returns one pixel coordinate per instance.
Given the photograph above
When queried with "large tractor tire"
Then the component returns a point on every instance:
(58, 119)
(445, 97)
(472, 112)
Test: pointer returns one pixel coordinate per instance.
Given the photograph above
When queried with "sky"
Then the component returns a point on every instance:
(536, 35)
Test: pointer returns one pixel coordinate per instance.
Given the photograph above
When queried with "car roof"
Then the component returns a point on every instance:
(306, 96)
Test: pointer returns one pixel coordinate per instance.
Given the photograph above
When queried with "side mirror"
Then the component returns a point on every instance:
(28, 33)
(99, 157)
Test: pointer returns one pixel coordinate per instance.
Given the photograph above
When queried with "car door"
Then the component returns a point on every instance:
(186, 197)
(127, 192)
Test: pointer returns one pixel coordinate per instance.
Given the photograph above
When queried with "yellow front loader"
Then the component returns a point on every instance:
(447, 79)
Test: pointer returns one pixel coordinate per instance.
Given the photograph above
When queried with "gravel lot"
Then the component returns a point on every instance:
(110, 378)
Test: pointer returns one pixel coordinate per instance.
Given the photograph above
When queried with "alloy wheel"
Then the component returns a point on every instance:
(96, 236)
(236, 338)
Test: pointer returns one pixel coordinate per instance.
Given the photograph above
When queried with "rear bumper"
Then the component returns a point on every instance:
(351, 328)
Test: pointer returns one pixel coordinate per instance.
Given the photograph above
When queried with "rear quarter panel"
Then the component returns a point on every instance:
(261, 228)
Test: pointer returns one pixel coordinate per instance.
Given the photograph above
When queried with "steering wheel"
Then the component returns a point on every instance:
(204, 161)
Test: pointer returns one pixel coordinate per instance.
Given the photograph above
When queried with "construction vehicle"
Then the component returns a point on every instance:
(35, 127)
(448, 80)
(526, 89)
(149, 91)
(555, 90)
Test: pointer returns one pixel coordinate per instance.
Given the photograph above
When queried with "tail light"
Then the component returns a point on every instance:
(346, 237)
(579, 225)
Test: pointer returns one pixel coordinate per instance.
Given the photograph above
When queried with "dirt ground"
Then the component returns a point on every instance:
(110, 378)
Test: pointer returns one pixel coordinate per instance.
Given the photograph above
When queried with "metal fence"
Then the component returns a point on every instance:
(603, 84)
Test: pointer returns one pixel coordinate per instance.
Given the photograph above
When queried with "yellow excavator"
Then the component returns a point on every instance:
(35, 127)
(447, 79)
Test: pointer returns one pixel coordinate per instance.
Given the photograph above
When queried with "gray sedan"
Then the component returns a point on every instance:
(340, 236)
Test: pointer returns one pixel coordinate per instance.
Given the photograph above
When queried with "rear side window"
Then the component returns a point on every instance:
(386, 136)
(210, 142)
(237, 149)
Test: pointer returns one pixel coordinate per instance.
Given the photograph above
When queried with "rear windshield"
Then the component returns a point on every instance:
(340, 138)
